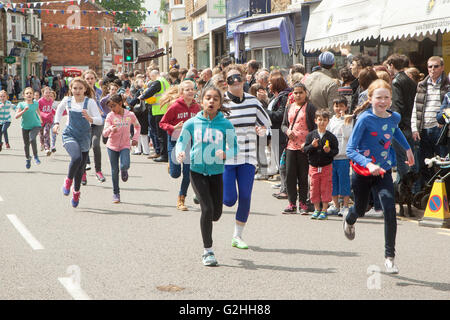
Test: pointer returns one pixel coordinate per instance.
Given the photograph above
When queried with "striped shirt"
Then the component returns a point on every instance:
(245, 117)
(5, 111)
(432, 106)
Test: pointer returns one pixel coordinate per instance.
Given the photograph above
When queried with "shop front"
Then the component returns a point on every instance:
(200, 32)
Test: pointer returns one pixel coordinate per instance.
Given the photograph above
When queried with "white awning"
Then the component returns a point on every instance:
(336, 23)
(409, 18)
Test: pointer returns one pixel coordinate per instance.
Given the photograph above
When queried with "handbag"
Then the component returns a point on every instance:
(139, 107)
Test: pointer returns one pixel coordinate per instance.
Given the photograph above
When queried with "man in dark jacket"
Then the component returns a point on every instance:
(359, 62)
(403, 93)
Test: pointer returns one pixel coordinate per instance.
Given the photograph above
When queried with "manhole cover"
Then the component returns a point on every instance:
(170, 288)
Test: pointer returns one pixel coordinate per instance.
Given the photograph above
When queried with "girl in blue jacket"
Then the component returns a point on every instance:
(213, 140)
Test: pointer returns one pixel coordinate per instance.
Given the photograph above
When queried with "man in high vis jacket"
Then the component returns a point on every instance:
(157, 89)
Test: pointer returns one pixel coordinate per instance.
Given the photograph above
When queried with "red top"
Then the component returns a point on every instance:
(177, 112)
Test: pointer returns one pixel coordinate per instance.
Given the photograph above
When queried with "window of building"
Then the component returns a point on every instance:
(111, 47)
(104, 46)
(15, 28)
(275, 58)
(177, 2)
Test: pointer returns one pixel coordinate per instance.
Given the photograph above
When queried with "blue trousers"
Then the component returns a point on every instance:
(383, 187)
(4, 131)
(244, 175)
(175, 168)
(114, 157)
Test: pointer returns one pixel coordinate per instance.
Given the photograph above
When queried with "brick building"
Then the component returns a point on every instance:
(85, 49)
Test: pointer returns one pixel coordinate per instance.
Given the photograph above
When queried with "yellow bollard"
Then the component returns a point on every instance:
(437, 214)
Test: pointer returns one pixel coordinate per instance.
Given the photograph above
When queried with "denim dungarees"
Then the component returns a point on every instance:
(79, 129)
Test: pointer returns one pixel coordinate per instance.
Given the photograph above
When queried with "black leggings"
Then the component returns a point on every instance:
(209, 192)
(297, 167)
(29, 137)
(77, 164)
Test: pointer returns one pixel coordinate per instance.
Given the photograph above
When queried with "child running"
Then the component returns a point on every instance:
(28, 110)
(298, 122)
(117, 129)
(213, 140)
(321, 146)
(341, 164)
(369, 149)
(177, 114)
(5, 118)
(250, 119)
(83, 111)
(47, 115)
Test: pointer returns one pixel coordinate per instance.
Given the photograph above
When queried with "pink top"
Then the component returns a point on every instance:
(120, 139)
(300, 127)
(46, 109)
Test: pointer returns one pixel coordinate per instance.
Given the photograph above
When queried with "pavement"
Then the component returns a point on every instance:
(143, 248)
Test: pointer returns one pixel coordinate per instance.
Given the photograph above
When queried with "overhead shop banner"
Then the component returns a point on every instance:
(336, 23)
(409, 18)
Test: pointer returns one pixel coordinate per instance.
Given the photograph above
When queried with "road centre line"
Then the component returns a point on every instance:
(73, 289)
(35, 245)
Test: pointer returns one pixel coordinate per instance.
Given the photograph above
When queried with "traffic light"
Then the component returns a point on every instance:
(128, 50)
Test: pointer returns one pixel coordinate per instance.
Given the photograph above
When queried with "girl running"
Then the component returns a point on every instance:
(213, 140)
(28, 110)
(182, 108)
(83, 112)
(47, 115)
(96, 130)
(249, 118)
(5, 118)
(369, 149)
(298, 122)
(117, 129)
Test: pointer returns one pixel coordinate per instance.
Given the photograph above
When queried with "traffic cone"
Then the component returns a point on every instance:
(437, 214)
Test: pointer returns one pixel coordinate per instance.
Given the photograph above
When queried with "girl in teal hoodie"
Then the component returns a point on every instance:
(213, 140)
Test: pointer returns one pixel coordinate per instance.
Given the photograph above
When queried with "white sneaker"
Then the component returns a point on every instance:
(343, 212)
(390, 265)
(332, 210)
(349, 230)
(372, 213)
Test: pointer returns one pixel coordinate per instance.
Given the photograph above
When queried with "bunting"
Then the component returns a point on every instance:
(107, 29)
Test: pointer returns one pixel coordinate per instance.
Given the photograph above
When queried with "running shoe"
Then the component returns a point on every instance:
(66, 186)
(322, 216)
(316, 214)
(332, 210)
(349, 230)
(88, 167)
(303, 208)
(100, 176)
(372, 213)
(238, 243)
(209, 259)
(84, 179)
(291, 208)
(116, 198)
(36, 159)
(8, 146)
(28, 163)
(343, 212)
(390, 265)
(48, 152)
(276, 186)
(124, 174)
(75, 198)
(53, 150)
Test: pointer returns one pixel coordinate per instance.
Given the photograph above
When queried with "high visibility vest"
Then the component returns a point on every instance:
(156, 108)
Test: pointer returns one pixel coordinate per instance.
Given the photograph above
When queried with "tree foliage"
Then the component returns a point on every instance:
(131, 18)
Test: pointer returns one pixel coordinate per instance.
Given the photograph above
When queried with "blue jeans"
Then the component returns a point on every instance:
(384, 188)
(4, 131)
(114, 156)
(175, 167)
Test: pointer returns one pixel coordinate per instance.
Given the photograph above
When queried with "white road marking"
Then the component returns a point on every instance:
(1, 199)
(73, 289)
(24, 232)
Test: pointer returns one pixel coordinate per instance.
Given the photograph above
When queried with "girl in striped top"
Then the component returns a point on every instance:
(249, 119)
(5, 117)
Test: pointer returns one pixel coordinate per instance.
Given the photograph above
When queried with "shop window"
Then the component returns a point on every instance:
(275, 58)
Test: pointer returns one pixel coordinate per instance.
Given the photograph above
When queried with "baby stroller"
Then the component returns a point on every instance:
(420, 199)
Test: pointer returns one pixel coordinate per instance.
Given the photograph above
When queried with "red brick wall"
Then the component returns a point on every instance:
(66, 47)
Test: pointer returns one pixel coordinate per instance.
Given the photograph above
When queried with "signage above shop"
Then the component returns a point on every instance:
(10, 60)
(217, 9)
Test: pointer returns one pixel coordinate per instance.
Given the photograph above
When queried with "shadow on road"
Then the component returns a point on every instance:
(34, 172)
(251, 213)
(250, 265)
(121, 212)
(420, 283)
(159, 206)
(310, 252)
(129, 189)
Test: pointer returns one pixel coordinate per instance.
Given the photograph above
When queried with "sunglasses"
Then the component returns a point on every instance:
(434, 66)
(234, 78)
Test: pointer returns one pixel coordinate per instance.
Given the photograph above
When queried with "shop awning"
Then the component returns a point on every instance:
(150, 56)
(414, 18)
(336, 23)
(285, 24)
